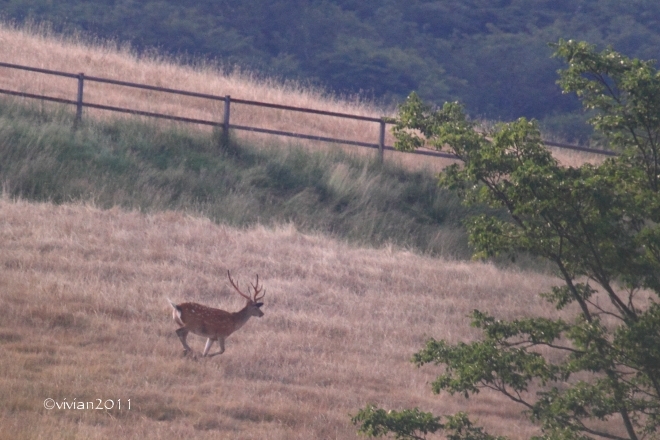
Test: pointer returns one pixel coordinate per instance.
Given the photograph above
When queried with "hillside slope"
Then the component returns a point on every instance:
(85, 317)
(129, 163)
(491, 55)
(38, 46)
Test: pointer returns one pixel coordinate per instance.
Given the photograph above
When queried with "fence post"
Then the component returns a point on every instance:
(225, 122)
(381, 141)
(79, 103)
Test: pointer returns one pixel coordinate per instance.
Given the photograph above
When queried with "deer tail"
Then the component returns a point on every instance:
(176, 313)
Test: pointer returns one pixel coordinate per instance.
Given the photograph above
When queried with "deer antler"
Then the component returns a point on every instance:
(237, 289)
(257, 290)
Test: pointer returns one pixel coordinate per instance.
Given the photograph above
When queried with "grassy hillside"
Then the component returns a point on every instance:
(492, 55)
(38, 45)
(85, 317)
(99, 225)
(134, 164)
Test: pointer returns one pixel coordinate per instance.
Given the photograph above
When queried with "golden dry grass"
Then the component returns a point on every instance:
(38, 47)
(83, 290)
(85, 317)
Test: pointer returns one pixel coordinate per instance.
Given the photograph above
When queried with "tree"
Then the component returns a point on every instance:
(599, 226)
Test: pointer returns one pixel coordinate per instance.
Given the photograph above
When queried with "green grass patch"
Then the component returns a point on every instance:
(143, 165)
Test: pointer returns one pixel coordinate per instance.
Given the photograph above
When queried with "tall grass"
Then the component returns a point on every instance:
(83, 289)
(84, 316)
(140, 165)
(36, 45)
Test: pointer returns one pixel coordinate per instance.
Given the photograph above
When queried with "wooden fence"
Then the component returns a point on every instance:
(225, 124)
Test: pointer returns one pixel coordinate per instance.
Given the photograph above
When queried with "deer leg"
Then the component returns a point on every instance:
(182, 333)
(209, 342)
(222, 347)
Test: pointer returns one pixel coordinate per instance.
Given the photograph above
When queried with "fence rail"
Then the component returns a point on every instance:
(225, 123)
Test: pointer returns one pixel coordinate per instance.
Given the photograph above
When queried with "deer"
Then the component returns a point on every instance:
(215, 324)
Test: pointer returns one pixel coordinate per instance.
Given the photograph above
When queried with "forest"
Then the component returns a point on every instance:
(491, 55)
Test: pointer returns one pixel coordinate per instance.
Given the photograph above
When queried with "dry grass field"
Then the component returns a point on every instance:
(84, 290)
(37, 46)
(85, 317)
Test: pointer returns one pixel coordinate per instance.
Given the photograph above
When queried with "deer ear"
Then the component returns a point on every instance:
(259, 304)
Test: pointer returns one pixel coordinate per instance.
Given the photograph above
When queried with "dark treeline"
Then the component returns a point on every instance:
(492, 55)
